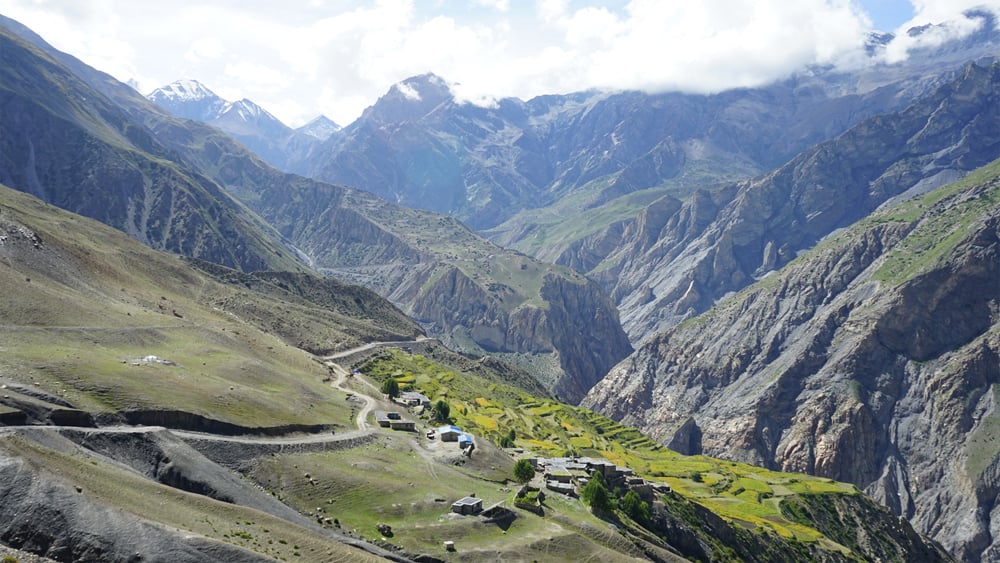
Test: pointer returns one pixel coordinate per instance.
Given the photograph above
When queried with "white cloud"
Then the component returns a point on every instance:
(946, 21)
(205, 49)
(336, 57)
(498, 5)
(552, 10)
(407, 91)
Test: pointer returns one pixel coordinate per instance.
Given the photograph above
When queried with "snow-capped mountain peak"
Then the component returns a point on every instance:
(189, 99)
(243, 119)
(321, 128)
(245, 110)
(182, 90)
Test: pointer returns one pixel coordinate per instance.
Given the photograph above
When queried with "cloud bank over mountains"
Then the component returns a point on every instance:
(336, 57)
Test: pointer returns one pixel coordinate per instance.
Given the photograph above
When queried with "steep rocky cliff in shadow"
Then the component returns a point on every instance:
(873, 359)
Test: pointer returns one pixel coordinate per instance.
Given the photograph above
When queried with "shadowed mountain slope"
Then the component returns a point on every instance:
(68, 144)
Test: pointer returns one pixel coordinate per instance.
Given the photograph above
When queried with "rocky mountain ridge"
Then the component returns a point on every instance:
(871, 359)
(677, 258)
(244, 120)
(509, 170)
(420, 147)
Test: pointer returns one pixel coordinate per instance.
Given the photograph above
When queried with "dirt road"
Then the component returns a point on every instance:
(341, 384)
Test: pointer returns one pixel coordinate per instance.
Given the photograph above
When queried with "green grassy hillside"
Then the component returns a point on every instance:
(83, 305)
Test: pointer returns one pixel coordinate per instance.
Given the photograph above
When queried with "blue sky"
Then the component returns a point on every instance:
(301, 58)
(888, 14)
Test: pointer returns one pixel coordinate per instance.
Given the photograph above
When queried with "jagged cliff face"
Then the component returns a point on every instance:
(874, 359)
(454, 301)
(676, 259)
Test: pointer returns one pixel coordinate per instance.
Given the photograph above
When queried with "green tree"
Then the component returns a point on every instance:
(391, 387)
(636, 508)
(442, 411)
(523, 471)
(508, 440)
(595, 493)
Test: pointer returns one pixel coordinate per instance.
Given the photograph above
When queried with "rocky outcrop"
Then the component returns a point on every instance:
(586, 334)
(873, 359)
(451, 300)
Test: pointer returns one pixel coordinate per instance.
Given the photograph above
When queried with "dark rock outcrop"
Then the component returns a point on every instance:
(56, 521)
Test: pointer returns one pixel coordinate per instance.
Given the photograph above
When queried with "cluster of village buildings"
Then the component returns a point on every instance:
(395, 420)
(446, 433)
(568, 475)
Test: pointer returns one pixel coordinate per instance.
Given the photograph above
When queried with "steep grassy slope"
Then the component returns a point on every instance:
(83, 305)
(872, 359)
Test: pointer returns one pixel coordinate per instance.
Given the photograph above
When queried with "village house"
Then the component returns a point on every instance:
(465, 440)
(449, 433)
(558, 475)
(564, 488)
(414, 399)
(393, 420)
(384, 418)
(467, 505)
(402, 424)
